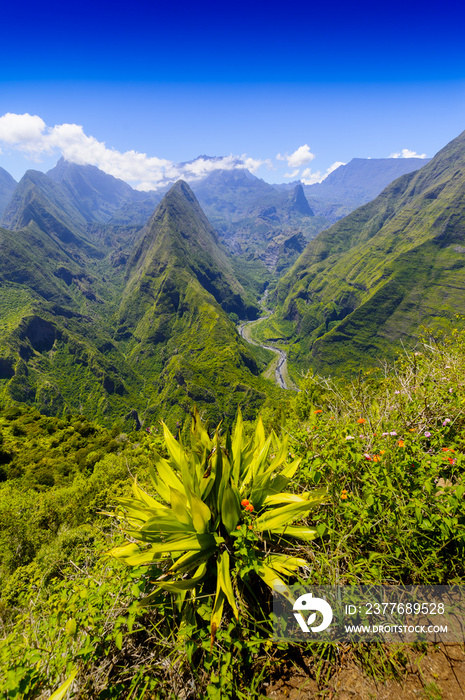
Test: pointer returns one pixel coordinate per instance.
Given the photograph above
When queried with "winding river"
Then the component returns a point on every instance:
(244, 330)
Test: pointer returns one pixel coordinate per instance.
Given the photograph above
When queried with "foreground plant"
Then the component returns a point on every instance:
(219, 512)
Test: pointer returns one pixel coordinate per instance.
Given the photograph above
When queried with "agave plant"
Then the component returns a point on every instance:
(204, 498)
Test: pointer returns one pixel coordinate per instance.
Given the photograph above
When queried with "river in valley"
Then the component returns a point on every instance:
(244, 330)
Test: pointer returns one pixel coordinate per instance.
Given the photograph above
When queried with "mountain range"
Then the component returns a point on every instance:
(88, 328)
(373, 279)
(123, 305)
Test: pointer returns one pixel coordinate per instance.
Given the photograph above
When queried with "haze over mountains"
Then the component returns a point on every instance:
(123, 304)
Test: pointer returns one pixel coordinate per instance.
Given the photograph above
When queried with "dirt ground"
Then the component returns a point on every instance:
(438, 674)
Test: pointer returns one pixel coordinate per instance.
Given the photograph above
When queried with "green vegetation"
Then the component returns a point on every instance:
(125, 343)
(359, 481)
(212, 494)
(370, 281)
(388, 448)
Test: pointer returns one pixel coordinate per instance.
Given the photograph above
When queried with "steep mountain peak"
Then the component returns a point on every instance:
(179, 244)
(46, 203)
(182, 189)
(96, 194)
(298, 201)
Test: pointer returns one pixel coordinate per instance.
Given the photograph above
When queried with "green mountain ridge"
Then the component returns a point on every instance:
(376, 276)
(62, 343)
(174, 312)
(47, 204)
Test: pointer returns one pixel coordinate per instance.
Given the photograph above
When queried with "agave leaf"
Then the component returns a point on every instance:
(201, 513)
(159, 485)
(168, 476)
(224, 578)
(281, 450)
(188, 560)
(216, 473)
(197, 469)
(230, 507)
(256, 466)
(124, 550)
(143, 496)
(217, 613)
(262, 487)
(272, 579)
(186, 583)
(131, 512)
(284, 564)
(259, 436)
(162, 525)
(175, 449)
(179, 505)
(225, 477)
(177, 543)
(280, 517)
(286, 497)
(281, 481)
(237, 443)
(306, 534)
(199, 435)
(60, 693)
(133, 555)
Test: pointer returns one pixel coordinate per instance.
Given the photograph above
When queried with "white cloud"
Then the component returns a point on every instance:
(293, 174)
(254, 164)
(334, 167)
(299, 158)
(23, 131)
(29, 134)
(407, 153)
(309, 178)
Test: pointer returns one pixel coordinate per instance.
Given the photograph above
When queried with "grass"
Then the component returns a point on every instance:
(390, 448)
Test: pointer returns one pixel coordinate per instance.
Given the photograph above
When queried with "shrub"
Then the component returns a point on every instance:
(221, 518)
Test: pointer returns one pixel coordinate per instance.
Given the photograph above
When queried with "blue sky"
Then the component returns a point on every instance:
(294, 90)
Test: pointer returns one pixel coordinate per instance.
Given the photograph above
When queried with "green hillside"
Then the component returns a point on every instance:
(174, 313)
(374, 278)
(82, 332)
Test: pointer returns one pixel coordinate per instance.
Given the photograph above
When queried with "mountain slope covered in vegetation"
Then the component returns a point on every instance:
(371, 280)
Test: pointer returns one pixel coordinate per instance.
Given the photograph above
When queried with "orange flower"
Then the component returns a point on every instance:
(244, 502)
(376, 458)
(319, 410)
(381, 452)
(401, 443)
(343, 494)
(361, 420)
(249, 507)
